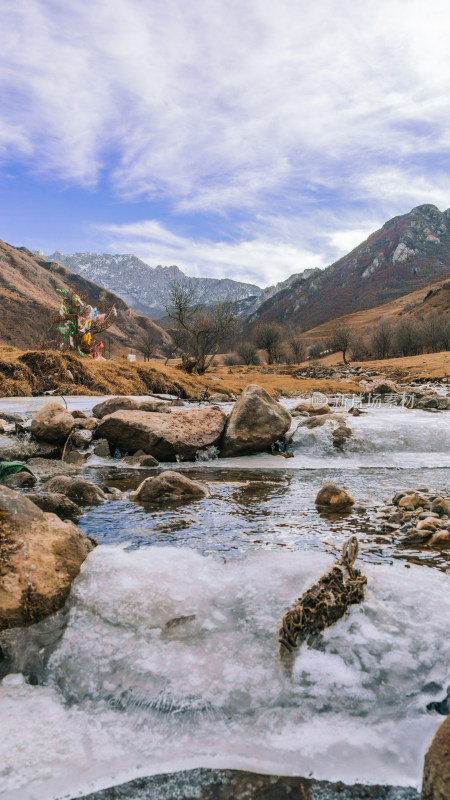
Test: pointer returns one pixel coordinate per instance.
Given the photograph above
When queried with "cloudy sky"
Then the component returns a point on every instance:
(235, 138)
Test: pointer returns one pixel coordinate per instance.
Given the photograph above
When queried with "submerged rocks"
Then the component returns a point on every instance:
(170, 485)
(420, 517)
(436, 770)
(52, 423)
(333, 498)
(40, 557)
(164, 436)
(256, 422)
(77, 489)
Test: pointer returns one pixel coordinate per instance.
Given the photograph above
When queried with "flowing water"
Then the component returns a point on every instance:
(168, 660)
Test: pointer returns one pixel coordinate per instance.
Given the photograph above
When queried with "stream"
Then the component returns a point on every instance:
(168, 657)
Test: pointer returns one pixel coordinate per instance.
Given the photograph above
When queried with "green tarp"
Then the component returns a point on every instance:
(11, 467)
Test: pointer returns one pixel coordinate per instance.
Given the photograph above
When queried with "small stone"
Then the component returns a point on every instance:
(411, 502)
(170, 485)
(79, 489)
(102, 449)
(441, 506)
(332, 497)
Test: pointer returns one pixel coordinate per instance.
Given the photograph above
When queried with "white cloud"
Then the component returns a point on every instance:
(260, 260)
(218, 104)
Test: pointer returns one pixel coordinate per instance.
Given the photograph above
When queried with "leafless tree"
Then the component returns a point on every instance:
(381, 339)
(202, 329)
(340, 340)
(359, 350)
(147, 343)
(247, 353)
(268, 336)
(297, 346)
(316, 349)
(408, 338)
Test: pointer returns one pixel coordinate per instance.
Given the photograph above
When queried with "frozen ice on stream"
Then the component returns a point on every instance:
(125, 695)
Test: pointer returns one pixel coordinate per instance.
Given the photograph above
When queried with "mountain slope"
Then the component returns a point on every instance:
(432, 298)
(405, 254)
(147, 288)
(29, 300)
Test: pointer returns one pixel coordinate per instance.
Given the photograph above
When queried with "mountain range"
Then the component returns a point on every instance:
(147, 289)
(408, 252)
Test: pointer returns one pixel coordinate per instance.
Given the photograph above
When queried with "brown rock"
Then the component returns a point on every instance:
(170, 485)
(76, 458)
(19, 480)
(47, 468)
(113, 404)
(56, 503)
(312, 409)
(440, 537)
(441, 506)
(429, 523)
(155, 405)
(141, 460)
(256, 421)
(334, 498)
(436, 770)
(52, 423)
(40, 556)
(77, 413)
(411, 501)
(79, 489)
(164, 436)
(88, 424)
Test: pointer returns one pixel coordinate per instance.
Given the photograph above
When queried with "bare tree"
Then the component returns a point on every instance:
(408, 338)
(316, 349)
(147, 343)
(247, 353)
(358, 349)
(297, 346)
(381, 339)
(340, 340)
(268, 336)
(201, 329)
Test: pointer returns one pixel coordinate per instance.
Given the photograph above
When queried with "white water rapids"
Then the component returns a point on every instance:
(123, 695)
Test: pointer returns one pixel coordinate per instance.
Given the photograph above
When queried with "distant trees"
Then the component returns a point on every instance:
(296, 345)
(200, 329)
(247, 353)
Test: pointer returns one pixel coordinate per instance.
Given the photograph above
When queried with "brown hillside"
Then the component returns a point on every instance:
(407, 253)
(29, 300)
(432, 297)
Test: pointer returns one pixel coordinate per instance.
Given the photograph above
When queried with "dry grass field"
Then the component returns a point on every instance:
(25, 372)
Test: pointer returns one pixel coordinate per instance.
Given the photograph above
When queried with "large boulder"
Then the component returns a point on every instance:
(436, 770)
(333, 498)
(52, 423)
(40, 556)
(256, 422)
(170, 485)
(78, 489)
(164, 436)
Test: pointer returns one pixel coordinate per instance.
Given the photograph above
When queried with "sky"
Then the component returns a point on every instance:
(247, 139)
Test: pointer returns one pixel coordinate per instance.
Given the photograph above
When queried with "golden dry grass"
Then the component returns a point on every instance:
(22, 373)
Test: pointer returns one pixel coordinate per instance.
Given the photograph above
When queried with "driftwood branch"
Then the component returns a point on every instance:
(324, 603)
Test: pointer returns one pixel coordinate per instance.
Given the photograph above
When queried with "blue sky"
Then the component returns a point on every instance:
(235, 138)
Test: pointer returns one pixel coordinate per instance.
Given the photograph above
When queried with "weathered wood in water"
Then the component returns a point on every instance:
(324, 603)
